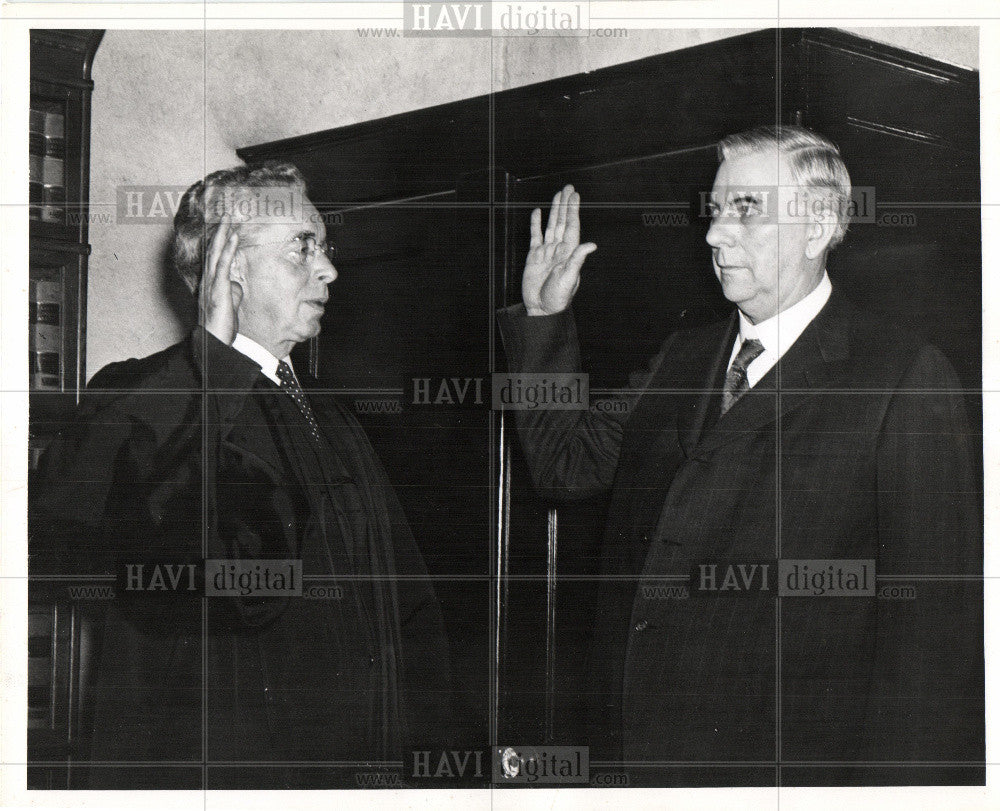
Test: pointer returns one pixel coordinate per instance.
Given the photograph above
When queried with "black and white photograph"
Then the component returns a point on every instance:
(431, 401)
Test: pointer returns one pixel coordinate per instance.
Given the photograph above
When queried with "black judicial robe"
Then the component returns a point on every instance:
(191, 453)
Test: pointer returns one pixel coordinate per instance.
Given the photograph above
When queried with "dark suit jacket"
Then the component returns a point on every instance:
(855, 446)
(183, 453)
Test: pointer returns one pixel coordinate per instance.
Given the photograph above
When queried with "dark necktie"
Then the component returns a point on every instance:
(291, 385)
(736, 384)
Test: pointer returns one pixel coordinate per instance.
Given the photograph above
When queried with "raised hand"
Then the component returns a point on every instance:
(552, 270)
(218, 297)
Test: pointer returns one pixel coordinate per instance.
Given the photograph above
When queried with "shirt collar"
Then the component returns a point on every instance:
(267, 362)
(780, 331)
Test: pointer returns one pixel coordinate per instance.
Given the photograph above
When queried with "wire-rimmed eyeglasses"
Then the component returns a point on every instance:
(302, 248)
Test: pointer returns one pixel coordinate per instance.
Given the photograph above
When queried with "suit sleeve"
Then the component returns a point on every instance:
(928, 676)
(571, 454)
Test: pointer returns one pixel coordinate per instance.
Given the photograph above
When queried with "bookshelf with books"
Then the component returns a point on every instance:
(58, 184)
(58, 199)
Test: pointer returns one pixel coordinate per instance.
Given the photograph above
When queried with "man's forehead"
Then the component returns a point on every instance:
(277, 221)
(766, 167)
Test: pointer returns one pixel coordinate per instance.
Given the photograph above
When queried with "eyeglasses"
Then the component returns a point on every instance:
(301, 249)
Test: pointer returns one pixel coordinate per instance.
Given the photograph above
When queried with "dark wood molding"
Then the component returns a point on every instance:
(889, 56)
(667, 102)
(64, 55)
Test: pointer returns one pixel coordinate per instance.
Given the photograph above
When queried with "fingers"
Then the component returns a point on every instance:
(220, 257)
(216, 293)
(215, 251)
(550, 226)
(536, 228)
(222, 282)
(571, 235)
(560, 215)
(567, 193)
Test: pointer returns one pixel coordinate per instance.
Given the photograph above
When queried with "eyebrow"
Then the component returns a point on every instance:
(747, 197)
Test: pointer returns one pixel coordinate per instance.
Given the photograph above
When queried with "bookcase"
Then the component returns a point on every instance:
(58, 200)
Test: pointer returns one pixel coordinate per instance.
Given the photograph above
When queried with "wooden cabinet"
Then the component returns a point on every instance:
(59, 632)
(638, 140)
(59, 169)
(58, 211)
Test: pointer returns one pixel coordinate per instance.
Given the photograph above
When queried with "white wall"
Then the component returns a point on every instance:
(171, 106)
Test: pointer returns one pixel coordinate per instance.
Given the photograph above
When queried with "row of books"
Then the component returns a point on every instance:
(45, 340)
(46, 167)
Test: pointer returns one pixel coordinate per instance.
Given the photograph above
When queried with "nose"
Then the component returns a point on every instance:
(325, 271)
(719, 233)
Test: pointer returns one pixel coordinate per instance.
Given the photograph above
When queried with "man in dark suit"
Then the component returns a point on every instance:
(799, 432)
(210, 450)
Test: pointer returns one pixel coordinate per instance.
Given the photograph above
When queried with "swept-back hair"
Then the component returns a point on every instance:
(814, 160)
(197, 220)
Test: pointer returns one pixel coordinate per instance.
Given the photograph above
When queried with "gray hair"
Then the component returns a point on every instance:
(814, 160)
(197, 217)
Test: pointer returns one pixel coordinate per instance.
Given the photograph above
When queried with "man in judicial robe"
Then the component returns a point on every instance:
(211, 450)
(799, 430)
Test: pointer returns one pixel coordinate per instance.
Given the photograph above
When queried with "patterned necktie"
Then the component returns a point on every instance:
(736, 379)
(291, 385)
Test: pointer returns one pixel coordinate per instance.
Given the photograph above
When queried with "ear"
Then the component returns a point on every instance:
(820, 232)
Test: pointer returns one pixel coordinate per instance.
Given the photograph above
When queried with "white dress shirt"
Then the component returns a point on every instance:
(267, 362)
(779, 332)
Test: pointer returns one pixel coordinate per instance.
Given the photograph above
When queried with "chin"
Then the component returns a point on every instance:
(305, 334)
(737, 292)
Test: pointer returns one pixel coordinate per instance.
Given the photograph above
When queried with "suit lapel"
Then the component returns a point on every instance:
(807, 367)
(247, 438)
(703, 364)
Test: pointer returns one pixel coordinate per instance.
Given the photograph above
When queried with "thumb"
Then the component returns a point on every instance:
(580, 253)
(236, 292)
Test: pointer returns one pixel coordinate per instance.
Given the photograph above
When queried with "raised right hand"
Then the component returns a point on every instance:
(552, 270)
(218, 297)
